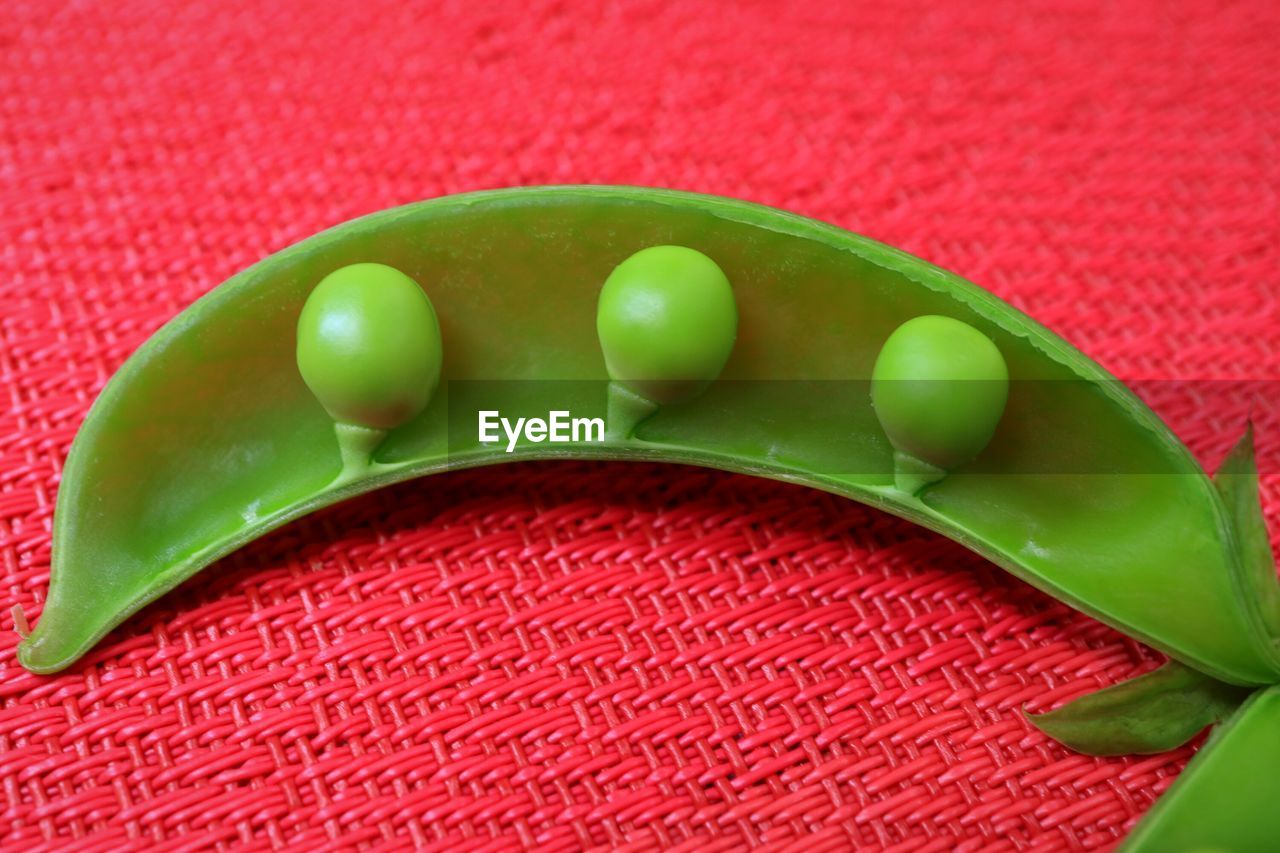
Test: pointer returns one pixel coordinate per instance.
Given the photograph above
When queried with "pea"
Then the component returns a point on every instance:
(939, 387)
(369, 346)
(667, 322)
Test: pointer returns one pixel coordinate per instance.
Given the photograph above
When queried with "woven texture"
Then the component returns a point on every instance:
(568, 655)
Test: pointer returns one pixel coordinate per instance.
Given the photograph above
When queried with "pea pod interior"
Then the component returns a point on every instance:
(208, 437)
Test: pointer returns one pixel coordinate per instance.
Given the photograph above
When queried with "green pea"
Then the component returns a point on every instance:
(369, 346)
(939, 387)
(667, 322)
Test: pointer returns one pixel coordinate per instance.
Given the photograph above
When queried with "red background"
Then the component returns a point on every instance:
(578, 654)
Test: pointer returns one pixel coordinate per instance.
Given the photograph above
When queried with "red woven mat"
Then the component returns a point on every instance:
(571, 655)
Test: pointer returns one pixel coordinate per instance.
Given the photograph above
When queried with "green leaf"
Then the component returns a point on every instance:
(1152, 713)
(1237, 482)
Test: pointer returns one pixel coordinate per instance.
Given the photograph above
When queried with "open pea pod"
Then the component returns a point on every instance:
(209, 437)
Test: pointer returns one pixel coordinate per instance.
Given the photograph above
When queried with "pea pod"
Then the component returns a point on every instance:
(209, 436)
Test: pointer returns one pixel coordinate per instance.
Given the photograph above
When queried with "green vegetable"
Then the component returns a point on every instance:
(369, 349)
(667, 322)
(209, 436)
(369, 346)
(939, 387)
